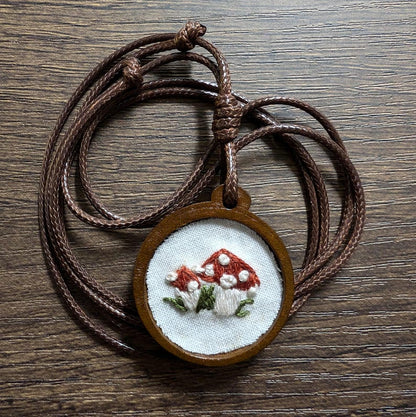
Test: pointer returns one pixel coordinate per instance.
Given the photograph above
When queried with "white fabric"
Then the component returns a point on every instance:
(207, 332)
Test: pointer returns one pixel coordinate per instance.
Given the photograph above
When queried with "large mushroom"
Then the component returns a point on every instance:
(237, 281)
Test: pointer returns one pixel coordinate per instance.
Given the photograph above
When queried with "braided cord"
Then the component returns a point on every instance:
(119, 82)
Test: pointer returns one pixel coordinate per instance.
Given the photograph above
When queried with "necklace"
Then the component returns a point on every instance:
(213, 283)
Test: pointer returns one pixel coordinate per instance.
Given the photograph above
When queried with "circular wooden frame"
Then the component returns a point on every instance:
(193, 213)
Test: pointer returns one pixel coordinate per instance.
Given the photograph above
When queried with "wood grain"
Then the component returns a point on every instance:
(351, 350)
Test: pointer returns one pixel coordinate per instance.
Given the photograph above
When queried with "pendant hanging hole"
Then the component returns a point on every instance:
(243, 201)
(230, 206)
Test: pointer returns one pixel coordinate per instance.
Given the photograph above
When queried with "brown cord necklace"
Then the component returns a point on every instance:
(213, 283)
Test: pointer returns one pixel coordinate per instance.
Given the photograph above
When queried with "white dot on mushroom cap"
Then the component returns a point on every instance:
(192, 286)
(198, 269)
(252, 291)
(172, 276)
(243, 275)
(227, 281)
(223, 259)
(209, 270)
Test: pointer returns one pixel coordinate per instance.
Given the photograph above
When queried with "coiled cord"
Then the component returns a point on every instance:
(119, 82)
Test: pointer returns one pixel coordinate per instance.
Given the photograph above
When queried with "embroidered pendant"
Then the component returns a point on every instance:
(213, 285)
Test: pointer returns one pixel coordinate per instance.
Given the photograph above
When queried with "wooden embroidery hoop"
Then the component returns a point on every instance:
(193, 213)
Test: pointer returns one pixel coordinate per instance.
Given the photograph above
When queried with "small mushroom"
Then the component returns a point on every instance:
(184, 279)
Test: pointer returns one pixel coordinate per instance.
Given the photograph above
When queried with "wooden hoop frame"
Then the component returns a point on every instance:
(193, 213)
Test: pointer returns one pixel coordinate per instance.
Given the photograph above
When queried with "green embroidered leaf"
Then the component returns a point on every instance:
(206, 298)
(243, 313)
(176, 302)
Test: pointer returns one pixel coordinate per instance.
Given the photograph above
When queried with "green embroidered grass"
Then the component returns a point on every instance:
(206, 298)
(206, 301)
(176, 302)
(243, 313)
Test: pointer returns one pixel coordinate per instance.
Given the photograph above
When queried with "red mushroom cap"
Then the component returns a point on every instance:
(225, 262)
(183, 277)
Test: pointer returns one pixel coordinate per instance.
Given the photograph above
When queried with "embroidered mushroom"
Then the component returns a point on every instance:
(237, 282)
(187, 288)
(234, 284)
(225, 264)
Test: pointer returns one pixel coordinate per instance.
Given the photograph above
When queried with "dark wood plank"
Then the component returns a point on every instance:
(351, 350)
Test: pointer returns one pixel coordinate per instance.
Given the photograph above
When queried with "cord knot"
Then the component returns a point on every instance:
(132, 72)
(185, 39)
(227, 118)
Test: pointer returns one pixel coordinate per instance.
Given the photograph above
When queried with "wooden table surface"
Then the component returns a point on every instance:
(350, 351)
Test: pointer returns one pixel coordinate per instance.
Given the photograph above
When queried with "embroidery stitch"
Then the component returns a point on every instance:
(243, 275)
(227, 281)
(209, 270)
(206, 299)
(240, 312)
(235, 284)
(177, 302)
(226, 301)
(223, 259)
